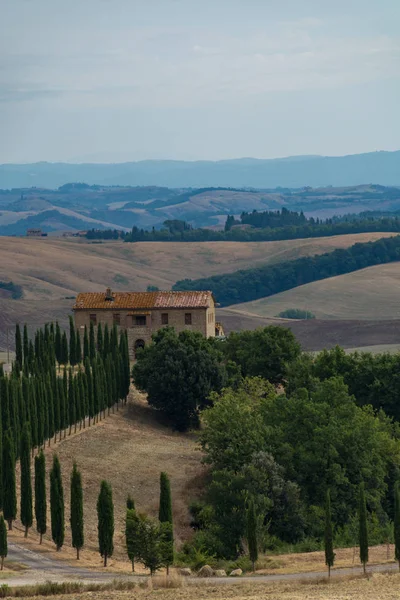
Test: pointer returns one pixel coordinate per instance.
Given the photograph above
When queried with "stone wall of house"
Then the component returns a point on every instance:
(202, 320)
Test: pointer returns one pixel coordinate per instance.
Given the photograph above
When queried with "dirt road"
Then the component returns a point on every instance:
(41, 569)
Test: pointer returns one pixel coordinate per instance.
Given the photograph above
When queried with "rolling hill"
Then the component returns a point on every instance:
(78, 206)
(371, 293)
(52, 270)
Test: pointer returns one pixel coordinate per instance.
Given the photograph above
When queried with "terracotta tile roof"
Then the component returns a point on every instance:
(137, 300)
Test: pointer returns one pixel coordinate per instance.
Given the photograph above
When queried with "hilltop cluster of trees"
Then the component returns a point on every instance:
(251, 284)
(301, 228)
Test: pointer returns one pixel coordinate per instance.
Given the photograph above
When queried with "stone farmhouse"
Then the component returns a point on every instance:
(143, 313)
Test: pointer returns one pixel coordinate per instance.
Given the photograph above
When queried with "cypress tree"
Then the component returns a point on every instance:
(85, 344)
(328, 537)
(165, 516)
(1, 465)
(40, 494)
(26, 345)
(62, 402)
(71, 401)
(132, 535)
(64, 349)
(106, 342)
(3, 541)
(50, 408)
(33, 414)
(39, 412)
(92, 343)
(26, 483)
(78, 351)
(397, 522)
(105, 514)
(18, 347)
(252, 534)
(89, 380)
(100, 339)
(165, 509)
(9, 488)
(363, 530)
(72, 342)
(130, 503)
(57, 344)
(31, 356)
(76, 510)
(57, 504)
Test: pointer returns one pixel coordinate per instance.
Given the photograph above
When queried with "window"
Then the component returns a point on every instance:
(164, 318)
(117, 319)
(140, 320)
(188, 318)
(93, 319)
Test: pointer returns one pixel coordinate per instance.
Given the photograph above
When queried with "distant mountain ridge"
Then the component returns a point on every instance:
(291, 172)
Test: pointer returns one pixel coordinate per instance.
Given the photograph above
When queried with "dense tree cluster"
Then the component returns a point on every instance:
(284, 453)
(178, 372)
(252, 284)
(251, 229)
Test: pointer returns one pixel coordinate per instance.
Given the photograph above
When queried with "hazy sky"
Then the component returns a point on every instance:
(116, 80)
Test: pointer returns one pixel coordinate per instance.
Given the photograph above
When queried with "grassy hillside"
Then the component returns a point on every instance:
(371, 293)
(129, 449)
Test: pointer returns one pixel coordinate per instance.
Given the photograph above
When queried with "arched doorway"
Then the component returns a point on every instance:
(139, 344)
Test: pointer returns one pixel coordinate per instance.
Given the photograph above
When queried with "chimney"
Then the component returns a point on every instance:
(109, 295)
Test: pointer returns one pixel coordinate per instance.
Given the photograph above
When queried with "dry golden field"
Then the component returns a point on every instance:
(53, 267)
(371, 293)
(375, 587)
(52, 270)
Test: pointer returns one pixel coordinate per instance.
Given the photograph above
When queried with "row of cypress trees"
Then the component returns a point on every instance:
(362, 529)
(38, 403)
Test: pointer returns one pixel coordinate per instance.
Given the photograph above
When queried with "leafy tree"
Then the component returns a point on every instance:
(263, 352)
(40, 494)
(26, 484)
(328, 537)
(76, 510)
(132, 523)
(3, 541)
(178, 372)
(363, 528)
(396, 522)
(57, 504)
(105, 514)
(165, 516)
(252, 535)
(150, 544)
(9, 488)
